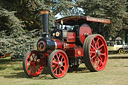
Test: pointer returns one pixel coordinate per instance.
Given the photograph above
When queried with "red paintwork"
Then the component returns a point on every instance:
(93, 19)
(57, 70)
(74, 52)
(68, 45)
(71, 37)
(70, 52)
(79, 52)
(34, 67)
(58, 44)
(98, 61)
(84, 29)
(63, 45)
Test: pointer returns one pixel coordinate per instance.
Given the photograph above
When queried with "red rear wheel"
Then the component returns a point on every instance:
(95, 52)
(58, 64)
(32, 64)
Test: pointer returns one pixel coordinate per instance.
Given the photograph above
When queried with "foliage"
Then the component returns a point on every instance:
(19, 17)
(115, 10)
(18, 44)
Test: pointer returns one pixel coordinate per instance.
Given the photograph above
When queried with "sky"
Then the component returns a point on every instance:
(76, 11)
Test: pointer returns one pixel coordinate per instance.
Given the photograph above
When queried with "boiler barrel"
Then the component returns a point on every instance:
(44, 45)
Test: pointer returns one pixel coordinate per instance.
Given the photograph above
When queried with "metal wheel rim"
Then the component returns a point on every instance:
(121, 51)
(59, 64)
(98, 52)
(34, 66)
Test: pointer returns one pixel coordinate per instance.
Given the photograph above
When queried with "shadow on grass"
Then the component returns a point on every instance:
(123, 57)
(8, 64)
(8, 61)
(23, 75)
(16, 75)
(44, 75)
(19, 73)
(80, 70)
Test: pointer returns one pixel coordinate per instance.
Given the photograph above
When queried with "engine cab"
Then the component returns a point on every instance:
(72, 34)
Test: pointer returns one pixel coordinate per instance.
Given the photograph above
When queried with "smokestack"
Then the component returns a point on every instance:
(45, 21)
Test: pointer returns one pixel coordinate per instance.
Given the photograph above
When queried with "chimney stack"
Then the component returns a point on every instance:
(45, 21)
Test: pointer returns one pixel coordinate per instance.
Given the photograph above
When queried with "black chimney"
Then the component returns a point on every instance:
(45, 21)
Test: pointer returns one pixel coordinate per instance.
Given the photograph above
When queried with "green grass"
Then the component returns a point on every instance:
(116, 73)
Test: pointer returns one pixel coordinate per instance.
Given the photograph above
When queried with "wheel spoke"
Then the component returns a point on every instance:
(97, 43)
(97, 62)
(92, 52)
(100, 61)
(102, 54)
(93, 41)
(101, 50)
(62, 59)
(57, 57)
(55, 69)
(37, 68)
(100, 46)
(54, 62)
(93, 47)
(53, 65)
(33, 56)
(93, 57)
(28, 66)
(61, 70)
(93, 61)
(31, 70)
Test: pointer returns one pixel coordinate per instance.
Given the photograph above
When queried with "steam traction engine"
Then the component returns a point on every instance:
(65, 48)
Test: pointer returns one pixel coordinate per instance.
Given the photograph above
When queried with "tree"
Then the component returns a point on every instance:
(19, 17)
(115, 10)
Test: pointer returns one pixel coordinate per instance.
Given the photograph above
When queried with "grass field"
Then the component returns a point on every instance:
(116, 73)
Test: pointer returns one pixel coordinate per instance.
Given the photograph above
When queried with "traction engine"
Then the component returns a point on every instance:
(69, 44)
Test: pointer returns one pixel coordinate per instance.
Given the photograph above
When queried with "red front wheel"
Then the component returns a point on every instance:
(32, 64)
(58, 64)
(95, 52)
